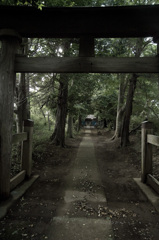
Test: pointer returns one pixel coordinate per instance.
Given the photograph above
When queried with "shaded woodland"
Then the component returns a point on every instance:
(62, 101)
(58, 103)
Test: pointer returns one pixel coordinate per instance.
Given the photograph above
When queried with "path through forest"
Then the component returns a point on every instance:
(78, 218)
(85, 191)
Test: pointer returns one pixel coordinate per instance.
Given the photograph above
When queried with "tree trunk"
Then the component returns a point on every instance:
(128, 111)
(119, 121)
(70, 126)
(129, 102)
(58, 135)
(105, 123)
(22, 105)
(42, 112)
(23, 112)
(79, 123)
(28, 94)
(48, 118)
(120, 106)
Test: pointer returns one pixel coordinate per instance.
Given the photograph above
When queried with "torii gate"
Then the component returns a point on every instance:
(82, 22)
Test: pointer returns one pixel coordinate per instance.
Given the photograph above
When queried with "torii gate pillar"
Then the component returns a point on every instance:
(86, 48)
(9, 44)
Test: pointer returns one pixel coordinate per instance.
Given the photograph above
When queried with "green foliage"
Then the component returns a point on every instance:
(59, 3)
(76, 3)
(128, 2)
(7, 2)
(81, 89)
(124, 47)
(35, 3)
(105, 106)
(90, 93)
(146, 107)
(41, 136)
(104, 99)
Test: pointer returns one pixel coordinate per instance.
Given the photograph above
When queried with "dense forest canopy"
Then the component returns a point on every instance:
(119, 101)
(76, 3)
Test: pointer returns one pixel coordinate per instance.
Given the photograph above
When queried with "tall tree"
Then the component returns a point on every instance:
(58, 135)
(128, 110)
(137, 50)
(22, 92)
(123, 81)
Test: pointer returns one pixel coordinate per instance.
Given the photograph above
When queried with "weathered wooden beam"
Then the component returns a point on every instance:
(86, 65)
(9, 41)
(153, 182)
(16, 180)
(19, 137)
(152, 139)
(118, 21)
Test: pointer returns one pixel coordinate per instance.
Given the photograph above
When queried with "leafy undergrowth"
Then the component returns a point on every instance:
(41, 137)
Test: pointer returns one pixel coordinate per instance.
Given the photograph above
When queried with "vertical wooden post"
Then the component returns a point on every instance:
(146, 151)
(9, 44)
(86, 48)
(27, 148)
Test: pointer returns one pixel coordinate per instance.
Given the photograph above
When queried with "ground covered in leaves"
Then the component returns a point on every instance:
(133, 217)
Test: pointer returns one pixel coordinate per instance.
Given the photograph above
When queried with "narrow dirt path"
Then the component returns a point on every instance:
(79, 216)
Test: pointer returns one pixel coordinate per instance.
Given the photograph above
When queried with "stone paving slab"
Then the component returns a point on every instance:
(65, 228)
